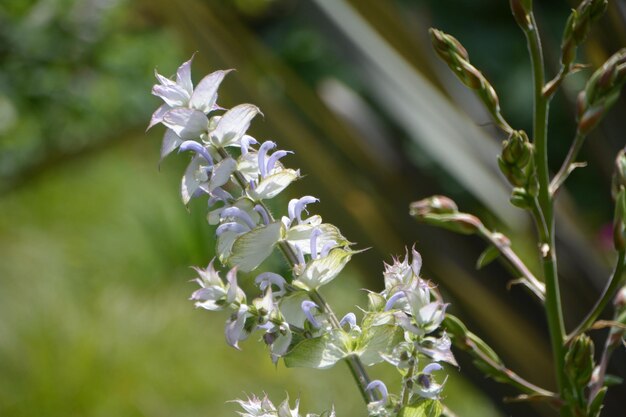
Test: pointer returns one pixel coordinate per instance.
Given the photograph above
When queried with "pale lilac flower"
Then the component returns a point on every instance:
(438, 349)
(235, 326)
(425, 385)
(257, 407)
(307, 306)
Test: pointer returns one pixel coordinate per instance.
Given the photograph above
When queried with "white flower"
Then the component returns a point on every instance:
(185, 108)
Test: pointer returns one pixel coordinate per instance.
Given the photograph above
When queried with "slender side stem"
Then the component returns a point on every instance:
(511, 377)
(553, 298)
(406, 389)
(354, 363)
(502, 243)
(612, 286)
(568, 165)
(358, 371)
(613, 340)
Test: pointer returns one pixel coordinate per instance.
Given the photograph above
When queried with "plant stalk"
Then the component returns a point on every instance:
(358, 371)
(568, 165)
(546, 206)
(612, 286)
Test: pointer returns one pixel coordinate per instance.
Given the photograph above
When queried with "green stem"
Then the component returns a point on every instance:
(548, 257)
(354, 363)
(614, 284)
(408, 379)
(358, 371)
(568, 165)
(503, 245)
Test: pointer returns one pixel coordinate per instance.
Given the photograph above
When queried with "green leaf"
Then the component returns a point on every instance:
(424, 408)
(488, 256)
(376, 340)
(250, 249)
(597, 403)
(319, 352)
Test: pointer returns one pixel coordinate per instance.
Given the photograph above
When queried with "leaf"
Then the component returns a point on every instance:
(488, 256)
(272, 185)
(376, 340)
(424, 408)
(250, 249)
(597, 403)
(233, 125)
(319, 352)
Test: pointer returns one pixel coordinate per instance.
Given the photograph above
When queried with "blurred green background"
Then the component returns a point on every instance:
(95, 244)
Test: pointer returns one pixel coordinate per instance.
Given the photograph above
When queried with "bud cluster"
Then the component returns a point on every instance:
(601, 92)
(456, 57)
(411, 303)
(441, 211)
(516, 163)
(578, 27)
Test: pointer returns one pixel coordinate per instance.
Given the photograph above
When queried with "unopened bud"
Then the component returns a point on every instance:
(578, 27)
(521, 10)
(620, 299)
(601, 92)
(439, 204)
(521, 198)
(456, 57)
(619, 221)
(579, 361)
(442, 212)
(619, 174)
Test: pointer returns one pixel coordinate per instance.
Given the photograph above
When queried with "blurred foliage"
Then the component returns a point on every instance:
(73, 74)
(95, 243)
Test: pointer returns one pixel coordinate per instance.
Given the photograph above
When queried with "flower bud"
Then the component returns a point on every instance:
(521, 12)
(618, 191)
(619, 173)
(521, 198)
(578, 27)
(454, 54)
(579, 361)
(442, 212)
(601, 92)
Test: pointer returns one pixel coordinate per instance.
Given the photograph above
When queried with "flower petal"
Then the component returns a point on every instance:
(204, 96)
(222, 172)
(233, 125)
(187, 123)
(183, 76)
(171, 141)
(157, 116)
(195, 176)
(172, 95)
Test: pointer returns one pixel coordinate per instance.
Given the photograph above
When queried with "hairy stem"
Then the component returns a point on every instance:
(358, 371)
(548, 257)
(614, 284)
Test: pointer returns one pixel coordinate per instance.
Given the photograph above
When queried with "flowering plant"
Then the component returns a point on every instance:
(406, 324)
